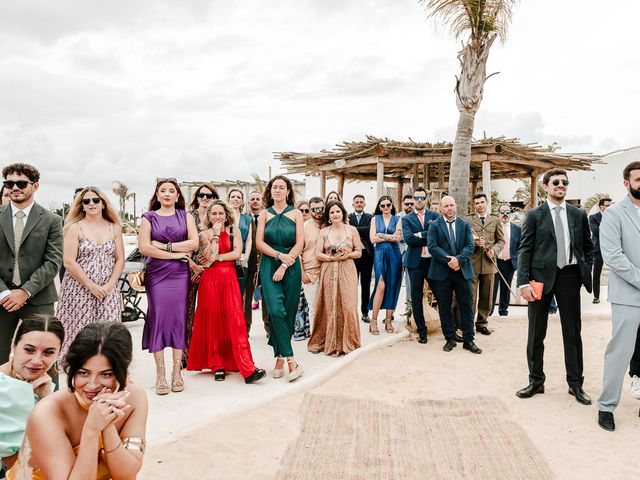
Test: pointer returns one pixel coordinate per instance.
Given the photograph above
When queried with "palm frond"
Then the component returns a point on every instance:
(593, 200)
(259, 182)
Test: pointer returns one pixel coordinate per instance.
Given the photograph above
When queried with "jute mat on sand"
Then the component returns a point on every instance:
(352, 439)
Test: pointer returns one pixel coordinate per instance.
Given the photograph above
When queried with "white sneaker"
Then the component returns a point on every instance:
(635, 387)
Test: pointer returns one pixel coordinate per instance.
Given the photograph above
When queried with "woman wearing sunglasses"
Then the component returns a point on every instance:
(235, 199)
(203, 195)
(302, 326)
(385, 234)
(93, 257)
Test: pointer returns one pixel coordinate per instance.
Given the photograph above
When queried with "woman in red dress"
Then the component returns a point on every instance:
(219, 341)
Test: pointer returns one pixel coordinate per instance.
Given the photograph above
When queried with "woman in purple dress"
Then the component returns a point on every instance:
(167, 236)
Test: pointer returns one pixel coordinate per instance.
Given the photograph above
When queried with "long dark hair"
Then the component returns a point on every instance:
(378, 210)
(39, 323)
(266, 196)
(154, 203)
(195, 202)
(325, 215)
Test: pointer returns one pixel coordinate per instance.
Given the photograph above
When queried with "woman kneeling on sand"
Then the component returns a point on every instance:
(96, 427)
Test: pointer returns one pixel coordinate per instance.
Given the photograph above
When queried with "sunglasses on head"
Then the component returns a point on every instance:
(168, 179)
(205, 195)
(385, 205)
(419, 198)
(19, 183)
(95, 200)
(304, 210)
(317, 209)
(557, 182)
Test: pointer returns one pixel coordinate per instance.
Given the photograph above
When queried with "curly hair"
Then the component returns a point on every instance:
(267, 199)
(25, 169)
(227, 210)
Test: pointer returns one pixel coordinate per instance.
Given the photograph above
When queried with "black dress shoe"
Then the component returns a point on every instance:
(422, 338)
(483, 330)
(218, 375)
(366, 319)
(450, 345)
(458, 338)
(472, 347)
(530, 390)
(605, 420)
(580, 395)
(597, 300)
(257, 374)
(503, 314)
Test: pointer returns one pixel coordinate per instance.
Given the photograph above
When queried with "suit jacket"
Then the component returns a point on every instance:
(253, 260)
(40, 253)
(438, 245)
(620, 247)
(363, 229)
(537, 256)
(515, 234)
(494, 240)
(411, 225)
(594, 224)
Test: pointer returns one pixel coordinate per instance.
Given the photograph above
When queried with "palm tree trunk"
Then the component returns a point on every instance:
(461, 161)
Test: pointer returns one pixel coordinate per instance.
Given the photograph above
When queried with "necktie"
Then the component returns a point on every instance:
(482, 220)
(255, 219)
(505, 254)
(421, 218)
(358, 217)
(562, 252)
(17, 235)
(452, 237)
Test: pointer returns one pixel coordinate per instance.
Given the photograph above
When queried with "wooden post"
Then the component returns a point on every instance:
(441, 175)
(399, 194)
(380, 179)
(341, 185)
(486, 182)
(474, 188)
(426, 183)
(323, 184)
(416, 174)
(534, 191)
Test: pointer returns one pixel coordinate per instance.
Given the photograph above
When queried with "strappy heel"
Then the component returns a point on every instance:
(177, 383)
(295, 373)
(278, 372)
(162, 388)
(388, 326)
(373, 328)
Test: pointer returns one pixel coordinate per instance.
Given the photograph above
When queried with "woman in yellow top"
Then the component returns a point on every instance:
(96, 427)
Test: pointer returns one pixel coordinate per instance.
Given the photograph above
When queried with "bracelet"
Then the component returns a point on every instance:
(111, 451)
(135, 443)
(284, 265)
(277, 256)
(170, 247)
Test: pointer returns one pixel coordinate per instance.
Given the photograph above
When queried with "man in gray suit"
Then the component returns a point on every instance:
(30, 253)
(620, 247)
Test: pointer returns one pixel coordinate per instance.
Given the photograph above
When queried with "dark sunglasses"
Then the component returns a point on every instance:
(95, 200)
(504, 211)
(19, 183)
(419, 198)
(168, 179)
(385, 205)
(205, 195)
(408, 203)
(317, 209)
(304, 210)
(557, 182)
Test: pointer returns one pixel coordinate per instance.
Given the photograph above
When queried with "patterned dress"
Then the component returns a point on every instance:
(193, 291)
(77, 307)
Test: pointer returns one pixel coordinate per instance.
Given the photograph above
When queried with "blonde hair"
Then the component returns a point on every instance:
(227, 210)
(77, 213)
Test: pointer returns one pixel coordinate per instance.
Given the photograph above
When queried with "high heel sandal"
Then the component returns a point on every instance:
(278, 372)
(296, 373)
(162, 388)
(177, 383)
(388, 326)
(373, 328)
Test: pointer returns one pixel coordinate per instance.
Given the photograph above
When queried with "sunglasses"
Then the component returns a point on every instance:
(168, 179)
(556, 182)
(205, 195)
(504, 211)
(21, 184)
(317, 209)
(385, 205)
(304, 210)
(406, 204)
(419, 198)
(95, 200)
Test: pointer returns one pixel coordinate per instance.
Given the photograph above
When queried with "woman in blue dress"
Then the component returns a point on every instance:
(235, 199)
(385, 234)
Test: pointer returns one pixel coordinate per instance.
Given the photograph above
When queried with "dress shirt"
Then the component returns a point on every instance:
(505, 254)
(571, 260)
(15, 210)
(425, 250)
(310, 263)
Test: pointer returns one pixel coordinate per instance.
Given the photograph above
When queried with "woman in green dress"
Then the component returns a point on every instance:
(280, 238)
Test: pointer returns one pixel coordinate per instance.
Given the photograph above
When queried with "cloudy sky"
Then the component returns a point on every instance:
(97, 91)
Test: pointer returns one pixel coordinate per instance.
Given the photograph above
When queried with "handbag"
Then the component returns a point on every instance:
(136, 277)
(239, 268)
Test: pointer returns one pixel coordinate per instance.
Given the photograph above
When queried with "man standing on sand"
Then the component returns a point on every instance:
(407, 207)
(255, 207)
(594, 224)
(31, 247)
(309, 262)
(364, 265)
(507, 260)
(620, 246)
(489, 242)
(450, 243)
(555, 250)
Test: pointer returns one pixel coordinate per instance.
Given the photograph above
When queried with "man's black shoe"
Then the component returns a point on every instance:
(605, 420)
(450, 345)
(483, 330)
(472, 347)
(597, 300)
(458, 338)
(422, 338)
(580, 395)
(365, 319)
(503, 314)
(530, 390)
(257, 374)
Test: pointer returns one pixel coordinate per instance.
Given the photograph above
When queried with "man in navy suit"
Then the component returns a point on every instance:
(594, 225)
(417, 258)
(364, 265)
(507, 260)
(451, 244)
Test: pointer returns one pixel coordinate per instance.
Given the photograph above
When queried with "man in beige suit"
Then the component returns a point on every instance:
(30, 253)
(489, 240)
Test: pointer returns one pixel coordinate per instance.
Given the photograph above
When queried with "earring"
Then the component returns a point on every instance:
(330, 222)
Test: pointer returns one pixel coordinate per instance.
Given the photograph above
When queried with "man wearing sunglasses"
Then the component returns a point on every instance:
(255, 207)
(362, 221)
(310, 264)
(555, 250)
(417, 258)
(407, 207)
(31, 253)
(594, 224)
(507, 260)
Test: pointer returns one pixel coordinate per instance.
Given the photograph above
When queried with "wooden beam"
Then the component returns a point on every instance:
(474, 188)
(341, 185)
(380, 179)
(534, 189)
(399, 194)
(486, 183)
(323, 184)
(441, 175)
(427, 177)
(415, 181)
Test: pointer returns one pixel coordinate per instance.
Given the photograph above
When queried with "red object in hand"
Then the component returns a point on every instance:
(537, 287)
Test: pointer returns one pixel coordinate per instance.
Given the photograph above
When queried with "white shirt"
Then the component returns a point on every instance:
(15, 210)
(565, 225)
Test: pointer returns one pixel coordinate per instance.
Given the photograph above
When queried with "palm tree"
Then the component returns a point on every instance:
(259, 182)
(121, 191)
(593, 200)
(478, 23)
(523, 193)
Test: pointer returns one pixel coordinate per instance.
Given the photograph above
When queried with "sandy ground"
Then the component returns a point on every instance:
(248, 442)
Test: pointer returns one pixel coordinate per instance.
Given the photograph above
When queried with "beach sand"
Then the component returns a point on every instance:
(250, 444)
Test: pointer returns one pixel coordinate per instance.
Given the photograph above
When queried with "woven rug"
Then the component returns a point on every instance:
(353, 439)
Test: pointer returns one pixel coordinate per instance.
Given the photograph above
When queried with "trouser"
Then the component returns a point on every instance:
(597, 271)
(482, 287)
(9, 322)
(311, 294)
(505, 267)
(443, 289)
(567, 292)
(634, 365)
(250, 288)
(417, 277)
(364, 266)
(625, 320)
